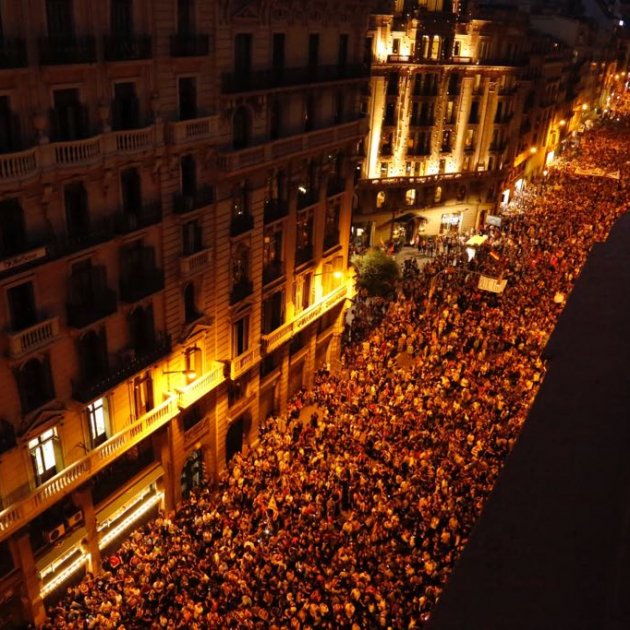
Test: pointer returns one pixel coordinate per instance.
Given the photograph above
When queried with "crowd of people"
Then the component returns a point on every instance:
(353, 516)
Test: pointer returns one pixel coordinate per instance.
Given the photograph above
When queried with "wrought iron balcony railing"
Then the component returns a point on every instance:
(241, 290)
(142, 217)
(82, 314)
(190, 45)
(55, 51)
(136, 284)
(127, 47)
(241, 223)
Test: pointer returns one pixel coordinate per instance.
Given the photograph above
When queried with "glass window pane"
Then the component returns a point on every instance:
(48, 451)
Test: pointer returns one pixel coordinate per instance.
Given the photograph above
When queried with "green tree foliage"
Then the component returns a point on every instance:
(377, 272)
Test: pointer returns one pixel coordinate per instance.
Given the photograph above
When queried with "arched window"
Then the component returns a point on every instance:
(241, 128)
(380, 198)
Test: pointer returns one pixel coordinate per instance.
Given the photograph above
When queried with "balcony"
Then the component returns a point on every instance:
(241, 223)
(140, 283)
(127, 47)
(58, 51)
(13, 53)
(275, 209)
(243, 362)
(15, 167)
(81, 314)
(187, 203)
(191, 393)
(134, 140)
(23, 510)
(85, 152)
(303, 254)
(190, 45)
(98, 232)
(192, 130)
(34, 337)
(199, 261)
(241, 290)
(125, 364)
(145, 216)
(238, 160)
(281, 335)
(260, 80)
(273, 271)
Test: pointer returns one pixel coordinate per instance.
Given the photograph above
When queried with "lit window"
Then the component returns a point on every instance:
(98, 418)
(43, 451)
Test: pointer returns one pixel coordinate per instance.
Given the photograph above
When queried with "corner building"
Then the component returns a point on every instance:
(176, 180)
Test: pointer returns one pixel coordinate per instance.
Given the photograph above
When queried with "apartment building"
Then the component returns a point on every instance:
(464, 105)
(176, 180)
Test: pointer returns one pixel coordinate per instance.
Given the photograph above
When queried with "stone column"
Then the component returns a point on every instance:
(24, 560)
(82, 498)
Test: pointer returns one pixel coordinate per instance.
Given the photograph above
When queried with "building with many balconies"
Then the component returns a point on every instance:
(176, 181)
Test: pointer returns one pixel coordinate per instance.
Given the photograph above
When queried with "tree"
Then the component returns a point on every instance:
(377, 272)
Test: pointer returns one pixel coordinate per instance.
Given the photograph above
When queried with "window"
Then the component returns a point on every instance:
(142, 330)
(313, 50)
(121, 17)
(92, 351)
(278, 54)
(77, 213)
(331, 228)
(302, 292)
(131, 191)
(9, 126)
(35, 384)
(275, 119)
(187, 90)
(98, 421)
(241, 128)
(309, 112)
(303, 236)
(12, 228)
(191, 312)
(342, 57)
(272, 252)
(22, 312)
(44, 450)
(240, 336)
(188, 173)
(273, 312)
(193, 361)
(143, 394)
(125, 107)
(68, 116)
(185, 17)
(59, 18)
(243, 54)
(191, 238)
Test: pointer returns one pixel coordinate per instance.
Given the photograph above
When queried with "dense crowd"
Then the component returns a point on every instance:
(353, 516)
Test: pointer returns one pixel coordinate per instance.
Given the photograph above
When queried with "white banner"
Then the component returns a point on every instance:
(494, 285)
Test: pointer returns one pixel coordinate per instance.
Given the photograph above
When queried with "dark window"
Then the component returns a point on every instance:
(125, 108)
(313, 50)
(191, 312)
(59, 17)
(240, 336)
(243, 55)
(185, 17)
(121, 17)
(35, 384)
(142, 329)
(241, 128)
(187, 98)
(77, 212)
(191, 238)
(275, 119)
(68, 117)
(9, 126)
(342, 58)
(21, 299)
(188, 170)
(131, 191)
(12, 230)
(92, 351)
(273, 312)
(309, 112)
(278, 54)
(367, 50)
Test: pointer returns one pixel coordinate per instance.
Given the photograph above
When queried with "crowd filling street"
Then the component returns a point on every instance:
(352, 516)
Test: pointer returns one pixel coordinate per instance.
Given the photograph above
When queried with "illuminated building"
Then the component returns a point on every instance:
(463, 104)
(176, 182)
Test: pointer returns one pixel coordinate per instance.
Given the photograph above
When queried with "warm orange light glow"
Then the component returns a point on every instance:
(533, 150)
(562, 123)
